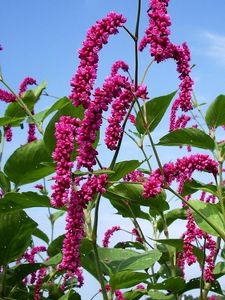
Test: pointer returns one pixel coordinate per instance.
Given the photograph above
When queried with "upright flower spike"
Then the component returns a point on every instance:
(180, 171)
(75, 222)
(23, 87)
(65, 131)
(83, 81)
(8, 133)
(161, 48)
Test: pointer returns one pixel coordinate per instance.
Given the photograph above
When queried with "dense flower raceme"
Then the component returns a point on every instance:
(6, 96)
(180, 171)
(108, 234)
(29, 256)
(119, 295)
(75, 222)
(119, 108)
(92, 121)
(192, 233)
(135, 176)
(83, 81)
(65, 132)
(161, 48)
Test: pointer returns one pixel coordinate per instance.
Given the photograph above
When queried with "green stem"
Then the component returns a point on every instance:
(2, 283)
(136, 44)
(95, 248)
(24, 106)
(142, 150)
(2, 148)
(129, 32)
(218, 230)
(202, 273)
(220, 188)
(138, 227)
(146, 71)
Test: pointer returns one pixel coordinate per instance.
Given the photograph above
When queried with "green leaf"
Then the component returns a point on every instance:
(22, 270)
(68, 110)
(59, 104)
(141, 261)
(188, 136)
(16, 201)
(171, 216)
(212, 213)
(56, 245)
(174, 284)
(155, 110)
(15, 235)
(215, 113)
(179, 245)
(195, 283)
(41, 235)
(160, 296)
(71, 295)
(135, 294)
(10, 121)
(38, 117)
(53, 261)
(30, 98)
(123, 168)
(130, 244)
(133, 193)
(219, 269)
(57, 215)
(24, 165)
(4, 182)
(126, 279)
(113, 257)
(191, 187)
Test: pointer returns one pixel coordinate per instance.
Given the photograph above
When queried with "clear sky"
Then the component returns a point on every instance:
(41, 39)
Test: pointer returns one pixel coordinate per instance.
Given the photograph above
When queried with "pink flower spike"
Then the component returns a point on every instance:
(108, 234)
(83, 81)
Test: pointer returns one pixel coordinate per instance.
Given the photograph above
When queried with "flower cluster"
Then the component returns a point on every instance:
(108, 234)
(157, 35)
(98, 35)
(180, 171)
(75, 221)
(135, 176)
(189, 237)
(40, 274)
(92, 121)
(136, 233)
(23, 86)
(66, 129)
(120, 106)
(7, 97)
(119, 295)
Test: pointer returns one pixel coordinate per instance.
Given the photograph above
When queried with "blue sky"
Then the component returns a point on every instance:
(41, 39)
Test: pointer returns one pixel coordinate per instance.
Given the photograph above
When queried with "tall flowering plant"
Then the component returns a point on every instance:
(148, 264)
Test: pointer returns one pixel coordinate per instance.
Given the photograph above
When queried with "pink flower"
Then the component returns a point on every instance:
(135, 176)
(180, 171)
(6, 96)
(161, 48)
(66, 129)
(23, 86)
(75, 222)
(8, 133)
(108, 234)
(119, 295)
(97, 36)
